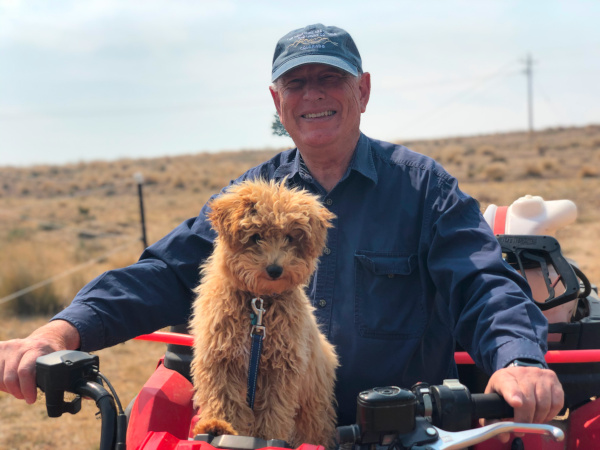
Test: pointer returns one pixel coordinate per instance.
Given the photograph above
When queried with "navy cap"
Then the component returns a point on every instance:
(316, 44)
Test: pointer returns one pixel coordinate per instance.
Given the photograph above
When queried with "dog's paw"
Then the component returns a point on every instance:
(216, 427)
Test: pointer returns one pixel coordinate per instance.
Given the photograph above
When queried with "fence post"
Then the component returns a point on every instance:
(139, 178)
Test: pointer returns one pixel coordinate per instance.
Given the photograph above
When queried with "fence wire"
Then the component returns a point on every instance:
(66, 273)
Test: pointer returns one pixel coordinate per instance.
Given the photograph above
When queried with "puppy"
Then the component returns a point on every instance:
(269, 240)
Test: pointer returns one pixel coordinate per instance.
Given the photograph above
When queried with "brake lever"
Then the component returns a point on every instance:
(463, 439)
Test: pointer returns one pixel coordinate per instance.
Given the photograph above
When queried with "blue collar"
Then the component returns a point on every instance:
(362, 163)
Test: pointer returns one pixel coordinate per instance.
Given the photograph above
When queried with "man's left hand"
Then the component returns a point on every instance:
(535, 394)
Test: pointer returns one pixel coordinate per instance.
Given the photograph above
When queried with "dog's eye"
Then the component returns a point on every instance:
(289, 238)
(256, 238)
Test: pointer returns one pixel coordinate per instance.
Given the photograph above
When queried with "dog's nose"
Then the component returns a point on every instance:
(274, 271)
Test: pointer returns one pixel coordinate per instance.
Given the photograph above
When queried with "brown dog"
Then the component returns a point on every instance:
(269, 240)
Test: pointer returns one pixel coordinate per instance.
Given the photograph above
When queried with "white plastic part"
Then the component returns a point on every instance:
(534, 215)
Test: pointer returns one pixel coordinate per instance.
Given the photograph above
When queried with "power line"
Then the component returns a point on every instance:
(558, 116)
(483, 81)
(439, 82)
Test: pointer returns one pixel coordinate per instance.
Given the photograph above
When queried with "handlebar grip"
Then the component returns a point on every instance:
(490, 406)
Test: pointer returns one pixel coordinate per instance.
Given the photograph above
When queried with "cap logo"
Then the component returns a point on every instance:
(312, 39)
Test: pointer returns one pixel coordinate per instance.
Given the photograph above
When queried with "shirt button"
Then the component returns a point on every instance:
(322, 303)
(326, 251)
(329, 202)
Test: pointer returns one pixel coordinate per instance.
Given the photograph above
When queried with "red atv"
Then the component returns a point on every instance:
(423, 417)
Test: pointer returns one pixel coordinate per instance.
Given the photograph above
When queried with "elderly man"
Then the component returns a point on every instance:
(410, 266)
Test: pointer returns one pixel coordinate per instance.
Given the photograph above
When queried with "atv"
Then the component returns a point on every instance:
(444, 416)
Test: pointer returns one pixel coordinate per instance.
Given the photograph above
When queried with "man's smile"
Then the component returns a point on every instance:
(317, 115)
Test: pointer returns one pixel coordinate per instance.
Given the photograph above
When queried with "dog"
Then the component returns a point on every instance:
(269, 239)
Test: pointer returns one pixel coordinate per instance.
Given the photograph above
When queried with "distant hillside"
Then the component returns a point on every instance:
(554, 153)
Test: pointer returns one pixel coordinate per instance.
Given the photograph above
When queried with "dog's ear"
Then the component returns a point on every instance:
(231, 214)
(226, 214)
(218, 212)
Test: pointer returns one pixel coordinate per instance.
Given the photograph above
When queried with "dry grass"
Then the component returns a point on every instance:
(55, 218)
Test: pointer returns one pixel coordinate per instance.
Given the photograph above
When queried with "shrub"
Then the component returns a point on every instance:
(550, 165)
(495, 172)
(452, 154)
(487, 150)
(533, 171)
(588, 172)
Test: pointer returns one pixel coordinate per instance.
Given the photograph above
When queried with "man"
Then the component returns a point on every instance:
(410, 265)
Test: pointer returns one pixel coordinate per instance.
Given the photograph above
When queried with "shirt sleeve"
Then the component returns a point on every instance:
(153, 293)
(491, 312)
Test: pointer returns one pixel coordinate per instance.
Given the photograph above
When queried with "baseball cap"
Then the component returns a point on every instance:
(316, 44)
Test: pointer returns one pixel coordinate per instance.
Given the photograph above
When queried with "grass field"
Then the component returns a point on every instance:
(70, 223)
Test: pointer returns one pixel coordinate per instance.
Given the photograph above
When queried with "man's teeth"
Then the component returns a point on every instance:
(321, 114)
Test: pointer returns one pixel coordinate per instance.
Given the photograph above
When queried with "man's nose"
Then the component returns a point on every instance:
(313, 89)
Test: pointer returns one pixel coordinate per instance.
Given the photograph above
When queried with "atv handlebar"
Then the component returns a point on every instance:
(383, 414)
(430, 415)
(78, 372)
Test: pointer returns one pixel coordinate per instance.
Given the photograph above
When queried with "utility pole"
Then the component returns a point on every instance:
(529, 73)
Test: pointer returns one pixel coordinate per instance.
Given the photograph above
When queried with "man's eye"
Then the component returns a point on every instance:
(294, 84)
(331, 77)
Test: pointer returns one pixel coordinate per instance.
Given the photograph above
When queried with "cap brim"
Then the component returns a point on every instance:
(314, 59)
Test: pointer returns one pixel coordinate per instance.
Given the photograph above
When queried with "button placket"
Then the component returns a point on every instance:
(323, 299)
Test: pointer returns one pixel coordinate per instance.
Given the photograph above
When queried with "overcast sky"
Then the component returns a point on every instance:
(105, 79)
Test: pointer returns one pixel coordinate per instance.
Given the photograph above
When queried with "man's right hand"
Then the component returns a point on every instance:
(18, 356)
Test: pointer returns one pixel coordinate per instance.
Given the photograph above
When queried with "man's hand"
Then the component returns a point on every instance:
(535, 394)
(18, 356)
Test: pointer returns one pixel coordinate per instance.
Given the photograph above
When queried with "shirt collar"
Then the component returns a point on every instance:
(362, 162)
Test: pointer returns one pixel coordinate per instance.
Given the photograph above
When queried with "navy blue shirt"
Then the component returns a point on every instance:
(410, 268)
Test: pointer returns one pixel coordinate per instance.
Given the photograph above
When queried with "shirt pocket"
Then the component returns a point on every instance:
(388, 300)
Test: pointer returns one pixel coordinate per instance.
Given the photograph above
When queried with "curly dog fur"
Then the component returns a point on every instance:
(269, 240)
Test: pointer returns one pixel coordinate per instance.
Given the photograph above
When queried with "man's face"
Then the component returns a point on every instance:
(320, 105)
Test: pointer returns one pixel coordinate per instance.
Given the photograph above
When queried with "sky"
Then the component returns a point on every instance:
(93, 80)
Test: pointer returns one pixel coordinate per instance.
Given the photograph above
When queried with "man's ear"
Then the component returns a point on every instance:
(276, 99)
(364, 86)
